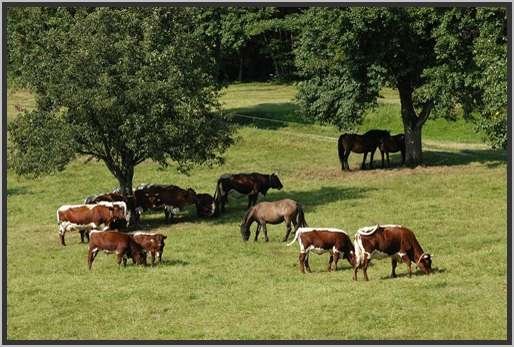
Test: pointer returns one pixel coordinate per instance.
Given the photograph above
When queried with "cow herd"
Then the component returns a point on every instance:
(104, 220)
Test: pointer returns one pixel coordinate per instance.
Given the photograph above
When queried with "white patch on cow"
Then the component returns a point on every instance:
(335, 250)
(391, 226)
(332, 230)
(213, 208)
(136, 233)
(316, 250)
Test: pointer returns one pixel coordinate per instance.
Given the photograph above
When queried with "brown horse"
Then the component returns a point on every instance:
(365, 143)
(392, 144)
(249, 184)
(275, 212)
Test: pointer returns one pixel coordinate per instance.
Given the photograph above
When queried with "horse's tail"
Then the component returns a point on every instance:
(340, 149)
(298, 232)
(300, 217)
(218, 195)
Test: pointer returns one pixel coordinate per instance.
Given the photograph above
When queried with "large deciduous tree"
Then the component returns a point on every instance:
(346, 55)
(120, 85)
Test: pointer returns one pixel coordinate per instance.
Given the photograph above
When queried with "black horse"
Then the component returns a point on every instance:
(367, 142)
(249, 184)
(392, 144)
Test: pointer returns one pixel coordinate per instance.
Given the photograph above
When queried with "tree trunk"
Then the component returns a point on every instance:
(412, 126)
(125, 178)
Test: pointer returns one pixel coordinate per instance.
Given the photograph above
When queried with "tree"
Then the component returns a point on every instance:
(119, 85)
(346, 55)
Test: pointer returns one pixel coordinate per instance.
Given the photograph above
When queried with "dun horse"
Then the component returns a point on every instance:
(286, 210)
(392, 144)
(368, 142)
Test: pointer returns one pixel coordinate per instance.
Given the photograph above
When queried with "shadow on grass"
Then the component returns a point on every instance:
(310, 200)
(277, 115)
(416, 272)
(491, 158)
(17, 191)
(173, 262)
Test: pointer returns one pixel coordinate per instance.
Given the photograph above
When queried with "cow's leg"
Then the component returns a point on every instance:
(394, 262)
(82, 235)
(363, 166)
(120, 257)
(301, 259)
(365, 267)
(330, 261)
(336, 259)
(307, 262)
(159, 257)
(61, 234)
(288, 230)
(355, 269)
(406, 259)
(257, 231)
(265, 232)
(409, 265)
(91, 254)
(87, 235)
(152, 253)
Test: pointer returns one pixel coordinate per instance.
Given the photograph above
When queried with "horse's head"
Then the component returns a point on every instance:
(275, 181)
(245, 231)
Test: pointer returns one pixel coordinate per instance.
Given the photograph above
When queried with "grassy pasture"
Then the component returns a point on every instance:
(214, 286)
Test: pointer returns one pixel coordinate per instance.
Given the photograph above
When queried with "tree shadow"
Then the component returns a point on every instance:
(310, 200)
(17, 191)
(416, 272)
(491, 158)
(270, 116)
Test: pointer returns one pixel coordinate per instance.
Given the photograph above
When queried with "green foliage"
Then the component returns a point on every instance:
(134, 84)
(39, 143)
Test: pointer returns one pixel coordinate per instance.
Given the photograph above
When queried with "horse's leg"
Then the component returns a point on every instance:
(330, 261)
(288, 230)
(382, 155)
(363, 166)
(257, 231)
(265, 232)
(345, 158)
(403, 157)
(301, 259)
(388, 164)
(371, 158)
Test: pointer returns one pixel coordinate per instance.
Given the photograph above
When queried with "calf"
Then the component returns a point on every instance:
(321, 240)
(152, 243)
(84, 218)
(113, 241)
(395, 241)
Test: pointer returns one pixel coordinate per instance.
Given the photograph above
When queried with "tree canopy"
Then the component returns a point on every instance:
(435, 57)
(121, 85)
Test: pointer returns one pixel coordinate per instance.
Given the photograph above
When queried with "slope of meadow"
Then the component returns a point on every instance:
(212, 285)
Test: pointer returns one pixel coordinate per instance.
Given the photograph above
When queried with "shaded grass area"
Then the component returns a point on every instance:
(212, 285)
(277, 102)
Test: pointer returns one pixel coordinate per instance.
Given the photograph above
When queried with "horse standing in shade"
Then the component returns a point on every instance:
(249, 184)
(392, 144)
(286, 210)
(365, 143)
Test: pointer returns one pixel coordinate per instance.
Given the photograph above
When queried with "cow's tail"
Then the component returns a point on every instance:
(340, 149)
(300, 217)
(296, 235)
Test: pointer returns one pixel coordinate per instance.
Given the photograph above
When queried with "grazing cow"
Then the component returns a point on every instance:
(321, 240)
(114, 241)
(249, 184)
(152, 243)
(275, 212)
(395, 241)
(205, 205)
(115, 196)
(392, 144)
(84, 218)
(365, 143)
(169, 198)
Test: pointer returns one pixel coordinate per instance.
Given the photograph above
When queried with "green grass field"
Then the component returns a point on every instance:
(212, 285)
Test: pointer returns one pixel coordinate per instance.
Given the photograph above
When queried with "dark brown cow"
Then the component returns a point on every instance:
(249, 184)
(205, 205)
(114, 241)
(84, 218)
(392, 144)
(395, 241)
(152, 243)
(321, 240)
(163, 197)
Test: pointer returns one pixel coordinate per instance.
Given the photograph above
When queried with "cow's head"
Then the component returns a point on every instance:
(275, 181)
(159, 239)
(425, 263)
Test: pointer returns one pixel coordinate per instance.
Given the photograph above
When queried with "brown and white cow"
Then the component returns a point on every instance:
(169, 198)
(152, 243)
(321, 240)
(116, 196)
(114, 241)
(84, 218)
(393, 240)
